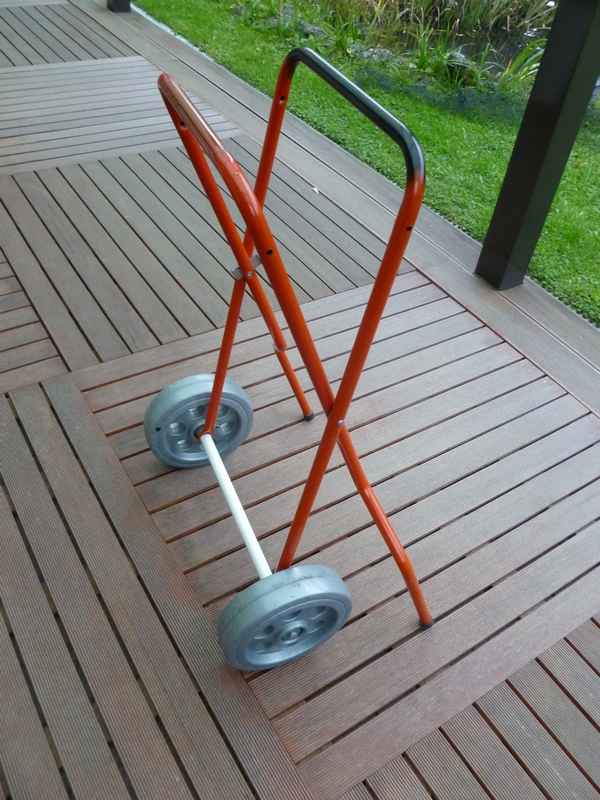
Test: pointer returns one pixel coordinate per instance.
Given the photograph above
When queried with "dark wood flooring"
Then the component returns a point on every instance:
(489, 470)
(122, 254)
(50, 33)
(476, 421)
(107, 107)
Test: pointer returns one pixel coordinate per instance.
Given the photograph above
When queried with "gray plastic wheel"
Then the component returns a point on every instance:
(176, 415)
(280, 618)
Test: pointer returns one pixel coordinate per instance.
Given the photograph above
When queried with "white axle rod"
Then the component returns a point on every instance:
(237, 510)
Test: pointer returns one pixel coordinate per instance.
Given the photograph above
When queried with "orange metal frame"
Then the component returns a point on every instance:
(201, 143)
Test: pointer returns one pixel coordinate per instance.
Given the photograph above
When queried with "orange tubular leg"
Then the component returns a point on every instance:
(233, 315)
(334, 433)
(242, 252)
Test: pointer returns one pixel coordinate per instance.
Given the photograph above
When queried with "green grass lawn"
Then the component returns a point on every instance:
(467, 141)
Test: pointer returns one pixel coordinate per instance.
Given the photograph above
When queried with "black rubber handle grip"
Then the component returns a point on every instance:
(396, 130)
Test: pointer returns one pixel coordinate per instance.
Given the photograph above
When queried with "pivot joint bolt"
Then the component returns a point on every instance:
(239, 274)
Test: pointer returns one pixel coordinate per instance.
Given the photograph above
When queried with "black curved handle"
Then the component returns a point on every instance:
(396, 130)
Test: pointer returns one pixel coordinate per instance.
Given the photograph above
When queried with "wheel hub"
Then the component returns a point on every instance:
(176, 418)
(288, 634)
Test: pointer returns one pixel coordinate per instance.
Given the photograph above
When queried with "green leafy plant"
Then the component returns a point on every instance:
(523, 67)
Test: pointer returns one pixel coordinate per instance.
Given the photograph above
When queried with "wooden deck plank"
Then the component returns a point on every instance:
(11, 53)
(66, 335)
(84, 36)
(575, 677)
(53, 33)
(133, 282)
(261, 754)
(376, 742)
(136, 178)
(287, 433)
(254, 342)
(54, 124)
(225, 575)
(107, 293)
(567, 723)
(147, 229)
(77, 25)
(358, 792)
(93, 150)
(34, 79)
(108, 106)
(25, 334)
(322, 720)
(138, 363)
(30, 373)
(270, 420)
(22, 732)
(438, 552)
(9, 285)
(391, 436)
(51, 49)
(26, 354)
(42, 111)
(99, 85)
(205, 242)
(82, 748)
(44, 150)
(30, 30)
(586, 640)
(534, 746)
(395, 490)
(294, 209)
(35, 141)
(287, 227)
(13, 301)
(314, 196)
(254, 477)
(449, 587)
(443, 769)
(304, 267)
(275, 388)
(139, 252)
(499, 772)
(84, 22)
(397, 779)
(14, 3)
(81, 302)
(177, 702)
(85, 65)
(407, 310)
(13, 29)
(14, 319)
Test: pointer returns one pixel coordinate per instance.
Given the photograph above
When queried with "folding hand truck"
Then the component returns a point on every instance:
(201, 418)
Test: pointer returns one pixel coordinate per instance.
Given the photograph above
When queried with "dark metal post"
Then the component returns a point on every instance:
(556, 107)
(118, 5)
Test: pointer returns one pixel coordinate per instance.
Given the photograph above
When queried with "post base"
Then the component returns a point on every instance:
(119, 6)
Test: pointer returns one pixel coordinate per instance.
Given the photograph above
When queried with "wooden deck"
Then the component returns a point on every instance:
(477, 420)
